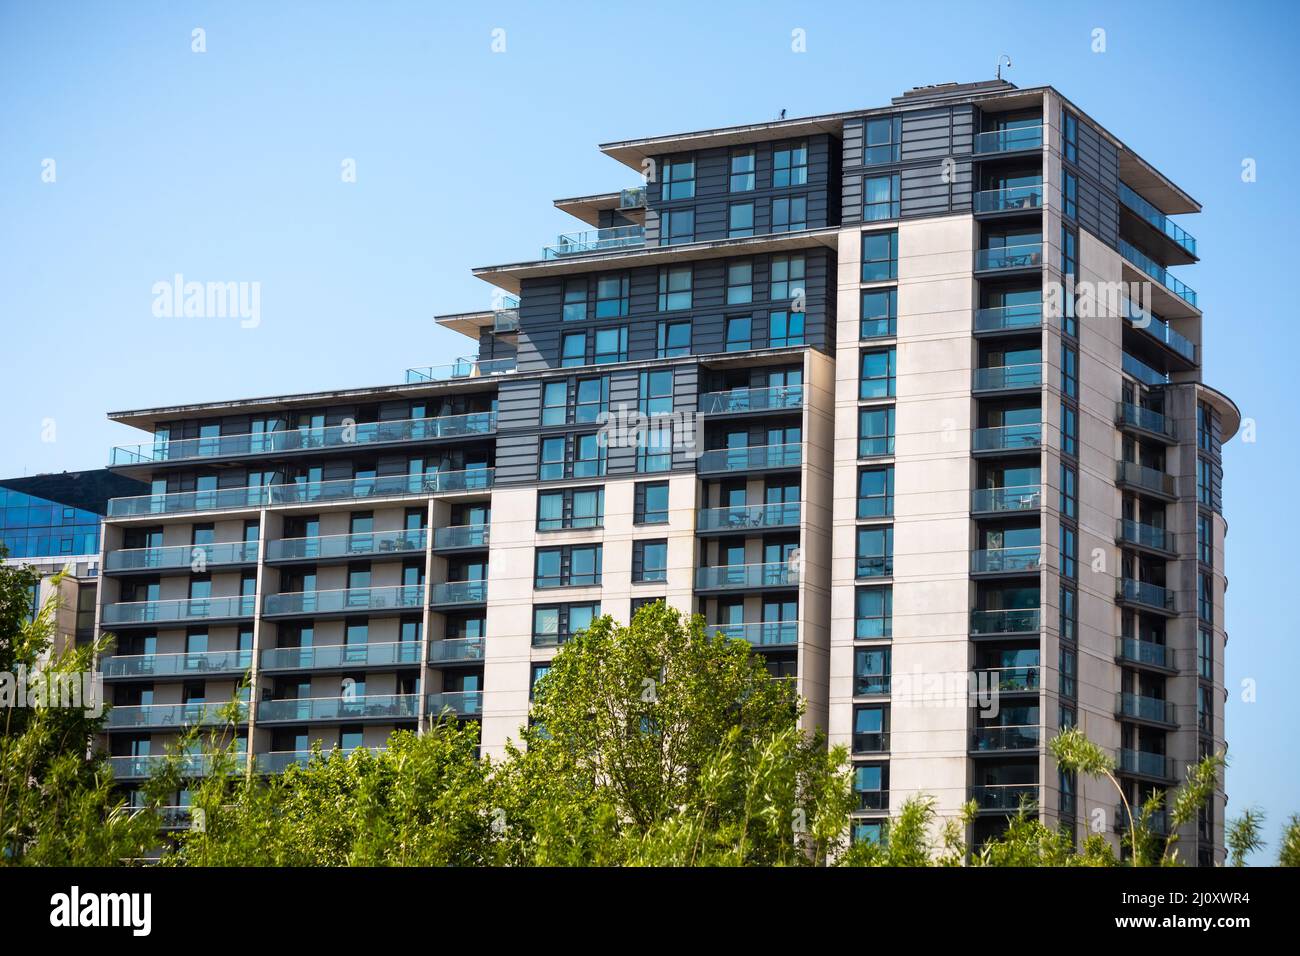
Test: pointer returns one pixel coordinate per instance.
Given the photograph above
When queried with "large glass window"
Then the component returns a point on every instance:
(790, 165)
(676, 226)
(1205, 539)
(875, 432)
(654, 450)
(612, 296)
(570, 508)
(575, 300)
(651, 503)
(650, 560)
(656, 391)
(870, 671)
(787, 277)
(880, 256)
(877, 376)
(880, 198)
(740, 220)
(785, 329)
(674, 339)
(790, 214)
(879, 313)
(739, 331)
(874, 614)
(555, 402)
(679, 178)
(875, 552)
(593, 399)
(1069, 194)
(611, 345)
(883, 139)
(1070, 135)
(588, 456)
(675, 288)
(876, 492)
(573, 349)
(742, 170)
(740, 282)
(550, 463)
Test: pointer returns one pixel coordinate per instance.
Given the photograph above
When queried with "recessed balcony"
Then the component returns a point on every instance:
(1015, 258)
(1146, 537)
(461, 368)
(278, 761)
(370, 544)
(1152, 710)
(1013, 622)
(1013, 140)
(1007, 438)
(457, 593)
(1160, 331)
(344, 601)
(998, 561)
(461, 537)
(320, 657)
(735, 401)
(1150, 267)
(1008, 500)
(1151, 423)
(740, 519)
(179, 611)
(457, 650)
(460, 703)
(1151, 597)
(760, 633)
(1145, 654)
(595, 240)
(752, 458)
(732, 577)
(187, 558)
(1009, 318)
(1010, 680)
(1157, 821)
(1143, 764)
(141, 766)
(167, 716)
(194, 664)
(1008, 378)
(1006, 739)
(1004, 797)
(1129, 474)
(1166, 227)
(383, 707)
(1026, 198)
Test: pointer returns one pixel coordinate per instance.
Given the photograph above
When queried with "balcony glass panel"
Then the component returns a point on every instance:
(1011, 678)
(1139, 761)
(1144, 652)
(771, 574)
(345, 599)
(461, 368)
(1007, 437)
(1004, 796)
(1149, 479)
(751, 399)
(341, 655)
(1142, 592)
(1012, 198)
(761, 633)
(1024, 737)
(462, 703)
(1145, 418)
(461, 536)
(144, 765)
(167, 715)
(749, 517)
(183, 609)
(595, 240)
(1160, 330)
(1009, 140)
(1156, 218)
(1006, 377)
(182, 556)
(1145, 535)
(346, 545)
(1158, 272)
(392, 706)
(988, 560)
(1012, 621)
(459, 592)
(177, 665)
(751, 458)
(1026, 255)
(1004, 317)
(1011, 498)
(1144, 708)
(456, 649)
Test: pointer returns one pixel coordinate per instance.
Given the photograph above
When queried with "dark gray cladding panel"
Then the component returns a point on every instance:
(519, 404)
(927, 134)
(924, 192)
(854, 135)
(516, 458)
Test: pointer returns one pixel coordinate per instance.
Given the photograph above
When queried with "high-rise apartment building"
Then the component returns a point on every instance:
(906, 396)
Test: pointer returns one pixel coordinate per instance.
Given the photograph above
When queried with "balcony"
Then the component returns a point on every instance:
(1143, 372)
(1009, 318)
(366, 707)
(1130, 474)
(341, 656)
(460, 537)
(1161, 331)
(1144, 653)
(595, 240)
(1145, 536)
(1157, 821)
(760, 633)
(345, 600)
(1022, 560)
(1007, 378)
(505, 321)
(1007, 438)
(182, 557)
(1027, 255)
(367, 544)
(185, 665)
(278, 761)
(353, 435)
(1149, 596)
(1012, 140)
(874, 742)
(141, 766)
(1010, 499)
(1002, 739)
(742, 518)
(741, 400)
(1158, 272)
(1128, 415)
(167, 716)
(1151, 709)
(1026, 198)
(1157, 220)
(448, 593)
(1004, 797)
(457, 650)
(631, 198)
(1014, 621)
(1144, 764)
(461, 703)
(753, 458)
(1010, 680)
(725, 577)
(131, 613)
(461, 368)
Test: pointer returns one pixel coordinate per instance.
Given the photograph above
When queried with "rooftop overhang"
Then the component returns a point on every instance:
(1226, 407)
(1153, 186)
(510, 277)
(633, 152)
(589, 208)
(467, 323)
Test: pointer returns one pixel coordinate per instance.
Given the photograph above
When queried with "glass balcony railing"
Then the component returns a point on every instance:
(1010, 679)
(183, 609)
(1004, 378)
(1009, 140)
(167, 715)
(1007, 437)
(871, 742)
(595, 240)
(1147, 764)
(770, 574)
(278, 761)
(191, 664)
(631, 198)
(461, 368)
(1005, 317)
(1011, 498)
(873, 566)
(462, 703)
(753, 458)
(1023, 737)
(1008, 621)
(360, 434)
(395, 597)
(372, 706)
(459, 592)
(1126, 413)
(1144, 652)
(1160, 330)
(1157, 219)
(741, 518)
(506, 320)
(199, 557)
(1026, 255)
(1150, 595)
(455, 650)
(1144, 535)
(1139, 707)
(1006, 560)
(1133, 475)
(1158, 272)
(872, 800)
(761, 633)
(461, 536)
(1004, 796)
(751, 399)
(1157, 821)
(1143, 372)
(139, 766)
(328, 656)
(366, 544)
(1010, 198)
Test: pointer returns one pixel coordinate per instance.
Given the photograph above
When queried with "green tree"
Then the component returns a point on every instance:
(1244, 835)
(1289, 854)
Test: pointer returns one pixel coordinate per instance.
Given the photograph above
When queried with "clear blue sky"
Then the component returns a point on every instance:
(225, 166)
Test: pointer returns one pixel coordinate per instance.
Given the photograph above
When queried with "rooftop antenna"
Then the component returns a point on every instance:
(1000, 59)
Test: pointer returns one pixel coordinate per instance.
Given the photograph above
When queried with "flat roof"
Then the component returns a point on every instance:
(589, 208)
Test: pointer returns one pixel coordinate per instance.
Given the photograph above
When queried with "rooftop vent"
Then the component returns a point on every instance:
(943, 91)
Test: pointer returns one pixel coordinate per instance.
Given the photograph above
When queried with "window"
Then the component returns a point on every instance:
(1205, 597)
(557, 623)
(880, 198)
(570, 508)
(1069, 547)
(568, 566)
(871, 671)
(575, 300)
(674, 339)
(612, 296)
(611, 345)
(879, 256)
(1069, 371)
(1069, 497)
(676, 226)
(592, 399)
(876, 492)
(1070, 135)
(651, 503)
(679, 179)
(739, 332)
(740, 220)
(573, 349)
(649, 561)
(1204, 709)
(656, 393)
(877, 378)
(1068, 659)
(1205, 654)
(654, 449)
(875, 432)
(874, 613)
(1069, 251)
(883, 137)
(1069, 430)
(742, 170)
(790, 214)
(1204, 481)
(1204, 427)
(555, 402)
(550, 462)
(1205, 539)
(675, 288)
(875, 556)
(740, 283)
(1068, 612)
(785, 329)
(787, 277)
(871, 786)
(879, 313)
(790, 165)
(588, 456)
(1069, 194)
